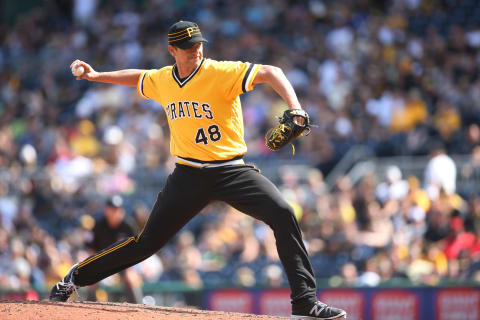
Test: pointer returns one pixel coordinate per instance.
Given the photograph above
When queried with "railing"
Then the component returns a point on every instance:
(358, 163)
(353, 156)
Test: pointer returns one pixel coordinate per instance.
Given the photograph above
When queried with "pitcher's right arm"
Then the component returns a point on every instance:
(126, 77)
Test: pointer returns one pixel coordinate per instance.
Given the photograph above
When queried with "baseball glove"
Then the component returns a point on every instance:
(288, 129)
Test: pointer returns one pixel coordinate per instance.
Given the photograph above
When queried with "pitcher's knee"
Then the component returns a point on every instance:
(146, 247)
(284, 216)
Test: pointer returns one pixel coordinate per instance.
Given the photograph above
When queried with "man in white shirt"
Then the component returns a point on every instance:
(440, 172)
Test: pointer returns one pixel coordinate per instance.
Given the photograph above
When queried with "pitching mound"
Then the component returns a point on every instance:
(45, 310)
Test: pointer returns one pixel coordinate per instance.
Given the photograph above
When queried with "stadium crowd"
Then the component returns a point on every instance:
(396, 76)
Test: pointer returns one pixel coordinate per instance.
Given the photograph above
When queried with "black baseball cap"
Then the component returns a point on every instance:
(184, 34)
(115, 201)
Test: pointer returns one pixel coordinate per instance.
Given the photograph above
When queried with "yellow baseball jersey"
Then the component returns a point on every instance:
(203, 110)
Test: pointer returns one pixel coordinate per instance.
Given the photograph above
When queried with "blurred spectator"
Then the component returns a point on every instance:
(245, 277)
(458, 240)
(349, 274)
(395, 188)
(369, 277)
(110, 228)
(440, 173)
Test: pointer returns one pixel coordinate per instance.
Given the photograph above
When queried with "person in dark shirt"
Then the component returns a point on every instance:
(110, 228)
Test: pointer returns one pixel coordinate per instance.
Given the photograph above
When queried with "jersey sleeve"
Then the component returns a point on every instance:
(237, 77)
(145, 85)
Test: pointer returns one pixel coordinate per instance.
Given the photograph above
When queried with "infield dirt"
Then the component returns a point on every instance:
(46, 310)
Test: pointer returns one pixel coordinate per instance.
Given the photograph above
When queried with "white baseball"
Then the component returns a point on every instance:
(77, 71)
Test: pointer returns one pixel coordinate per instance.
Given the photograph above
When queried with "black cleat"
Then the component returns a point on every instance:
(64, 288)
(317, 311)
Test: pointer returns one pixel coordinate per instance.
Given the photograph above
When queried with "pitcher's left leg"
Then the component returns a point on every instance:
(253, 194)
(247, 190)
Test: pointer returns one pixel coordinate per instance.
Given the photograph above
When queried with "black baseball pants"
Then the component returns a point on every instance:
(186, 192)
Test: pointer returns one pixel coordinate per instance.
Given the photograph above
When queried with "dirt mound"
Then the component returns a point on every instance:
(46, 310)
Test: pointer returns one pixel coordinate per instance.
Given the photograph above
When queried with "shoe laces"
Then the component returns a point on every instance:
(68, 286)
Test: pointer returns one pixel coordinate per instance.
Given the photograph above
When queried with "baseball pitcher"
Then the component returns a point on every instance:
(201, 99)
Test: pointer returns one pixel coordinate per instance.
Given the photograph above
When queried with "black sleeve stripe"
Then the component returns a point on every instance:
(245, 78)
(141, 84)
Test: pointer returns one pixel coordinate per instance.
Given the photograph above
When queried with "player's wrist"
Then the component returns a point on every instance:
(294, 107)
(293, 104)
(94, 76)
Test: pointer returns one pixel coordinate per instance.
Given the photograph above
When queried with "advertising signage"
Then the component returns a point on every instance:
(360, 303)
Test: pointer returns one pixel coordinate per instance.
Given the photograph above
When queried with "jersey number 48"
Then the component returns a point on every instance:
(213, 132)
